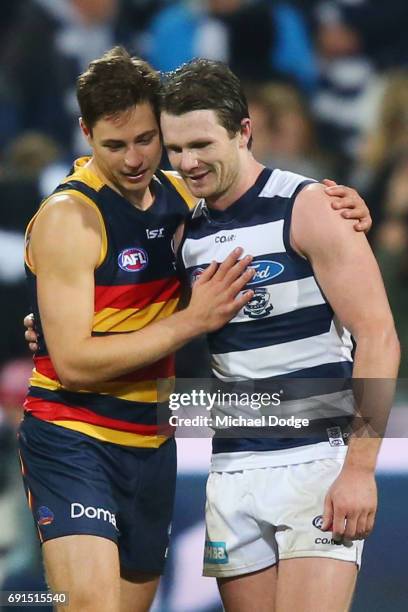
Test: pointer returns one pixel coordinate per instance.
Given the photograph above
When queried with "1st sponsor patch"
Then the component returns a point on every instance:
(215, 552)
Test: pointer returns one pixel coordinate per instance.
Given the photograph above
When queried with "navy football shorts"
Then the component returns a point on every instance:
(76, 484)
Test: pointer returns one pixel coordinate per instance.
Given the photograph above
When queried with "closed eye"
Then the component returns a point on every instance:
(146, 139)
(173, 148)
(200, 145)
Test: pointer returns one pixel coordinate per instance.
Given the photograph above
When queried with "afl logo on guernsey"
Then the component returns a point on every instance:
(45, 516)
(265, 270)
(133, 260)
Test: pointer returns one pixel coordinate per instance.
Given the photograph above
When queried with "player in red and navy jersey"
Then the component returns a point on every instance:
(99, 476)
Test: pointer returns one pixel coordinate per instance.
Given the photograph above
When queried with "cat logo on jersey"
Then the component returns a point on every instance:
(133, 260)
(194, 275)
(258, 306)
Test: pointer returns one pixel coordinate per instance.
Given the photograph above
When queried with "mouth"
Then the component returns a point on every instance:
(197, 177)
(134, 177)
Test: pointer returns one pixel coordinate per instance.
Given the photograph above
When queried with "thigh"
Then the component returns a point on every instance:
(67, 488)
(315, 585)
(87, 568)
(146, 500)
(255, 591)
(237, 541)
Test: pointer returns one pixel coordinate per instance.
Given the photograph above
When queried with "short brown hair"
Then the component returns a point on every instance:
(115, 82)
(204, 84)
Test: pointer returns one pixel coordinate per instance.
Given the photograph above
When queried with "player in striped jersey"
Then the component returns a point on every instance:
(99, 476)
(306, 502)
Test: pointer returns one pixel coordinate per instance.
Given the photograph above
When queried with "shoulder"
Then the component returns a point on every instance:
(174, 179)
(65, 225)
(62, 208)
(316, 226)
(285, 184)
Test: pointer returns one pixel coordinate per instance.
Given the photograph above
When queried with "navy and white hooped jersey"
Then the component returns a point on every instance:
(287, 329)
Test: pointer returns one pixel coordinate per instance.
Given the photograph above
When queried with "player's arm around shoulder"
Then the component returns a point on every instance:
(64, 250)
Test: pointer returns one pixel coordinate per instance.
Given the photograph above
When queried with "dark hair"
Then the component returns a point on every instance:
(204, 84)
(115, 82)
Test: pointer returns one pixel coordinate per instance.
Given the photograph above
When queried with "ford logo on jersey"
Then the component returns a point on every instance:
(133, 260)
(265, 270)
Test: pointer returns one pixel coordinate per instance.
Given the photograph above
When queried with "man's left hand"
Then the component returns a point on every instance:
(350, 203)
(350, 505)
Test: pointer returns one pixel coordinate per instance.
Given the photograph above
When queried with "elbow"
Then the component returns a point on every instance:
(71, 378)
(381, 336)
(389, 337)
(396, 346)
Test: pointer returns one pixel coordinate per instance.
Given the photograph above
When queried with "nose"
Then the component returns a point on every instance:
(133, 158)
(188, 161)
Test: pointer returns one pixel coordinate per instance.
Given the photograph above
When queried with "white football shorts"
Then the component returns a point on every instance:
(256, 517)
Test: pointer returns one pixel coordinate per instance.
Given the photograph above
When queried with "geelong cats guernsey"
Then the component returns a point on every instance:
(287, 330)
(135, 285)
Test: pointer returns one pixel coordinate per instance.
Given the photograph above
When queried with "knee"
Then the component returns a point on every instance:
(89, 598)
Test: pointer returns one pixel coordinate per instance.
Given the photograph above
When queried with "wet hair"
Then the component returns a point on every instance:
(114, 83)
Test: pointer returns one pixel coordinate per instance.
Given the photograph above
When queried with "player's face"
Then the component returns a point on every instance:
(203, 152)
(127, 149)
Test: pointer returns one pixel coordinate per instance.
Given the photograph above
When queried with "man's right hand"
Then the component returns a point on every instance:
(216, 295)
(30, 334)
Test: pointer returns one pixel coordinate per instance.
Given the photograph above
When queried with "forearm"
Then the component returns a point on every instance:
(98, 359)
(374, 373)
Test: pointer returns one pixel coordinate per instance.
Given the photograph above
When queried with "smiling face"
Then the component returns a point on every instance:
(204, 153)
(127, 150)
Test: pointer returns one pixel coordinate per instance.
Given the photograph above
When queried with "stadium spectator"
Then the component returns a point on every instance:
(259, 39)
(357, 41)
(283, 130)
(50, 43)
(25, 160)
(384, 144)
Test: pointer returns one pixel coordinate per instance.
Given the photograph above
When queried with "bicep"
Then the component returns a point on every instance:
(350, 279)
(65, 248)
(343, 263)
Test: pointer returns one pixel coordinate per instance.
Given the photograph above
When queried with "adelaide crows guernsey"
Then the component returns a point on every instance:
(135, 285)
(287, 330)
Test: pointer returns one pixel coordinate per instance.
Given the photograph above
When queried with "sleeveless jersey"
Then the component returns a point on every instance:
(135, 285)
(287, 329)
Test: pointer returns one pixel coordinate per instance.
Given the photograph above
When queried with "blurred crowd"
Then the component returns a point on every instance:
(327, 83)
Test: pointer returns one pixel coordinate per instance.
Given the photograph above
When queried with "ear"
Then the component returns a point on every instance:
(85, 130)
(246, 131)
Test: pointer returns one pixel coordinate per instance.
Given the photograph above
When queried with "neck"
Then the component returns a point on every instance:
(245, 179)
